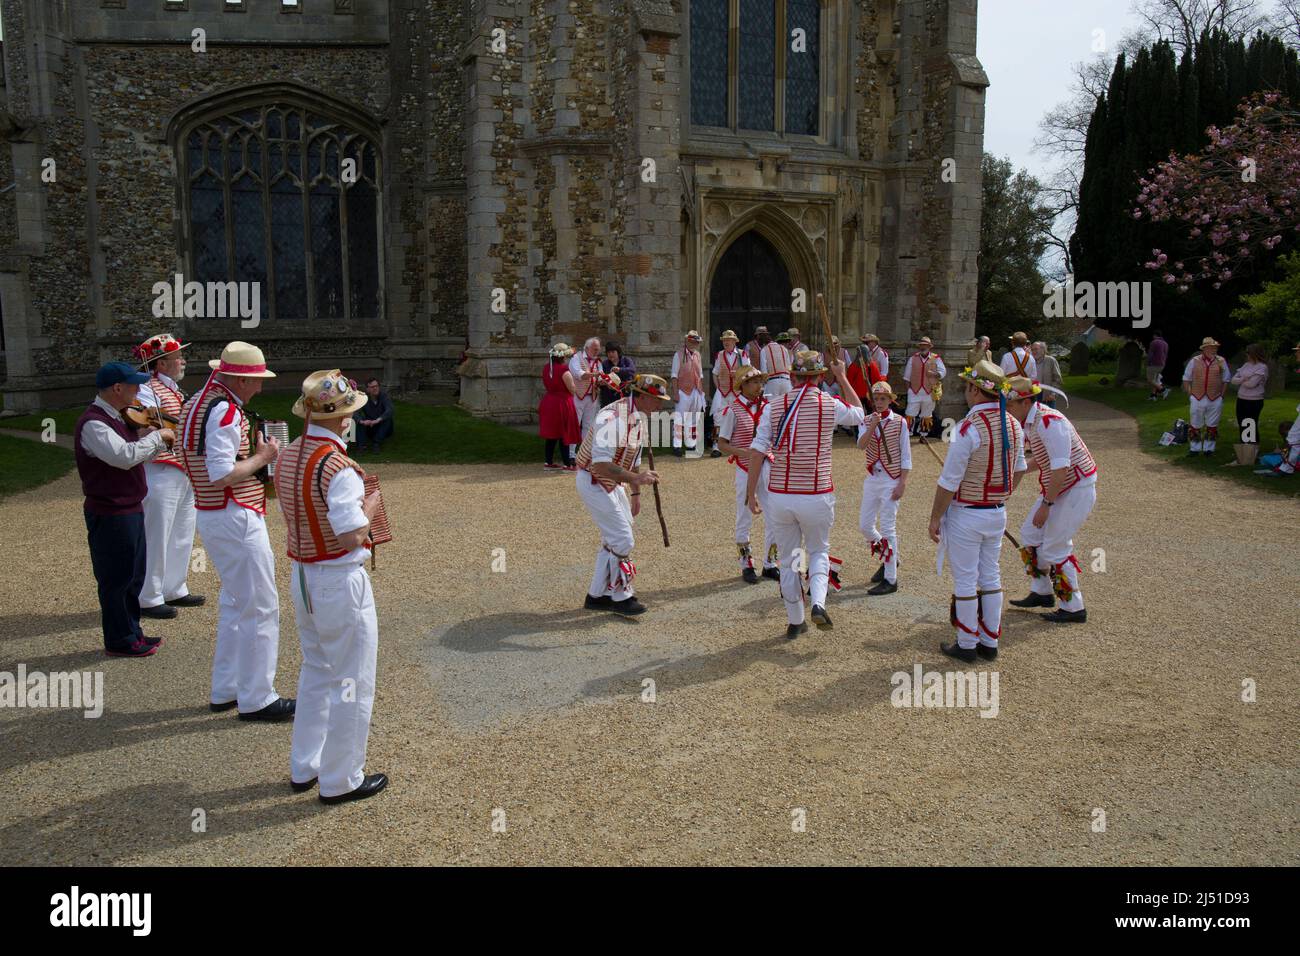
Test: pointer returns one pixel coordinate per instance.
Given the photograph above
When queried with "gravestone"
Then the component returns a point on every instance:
(1080, 358)
(1129, 366)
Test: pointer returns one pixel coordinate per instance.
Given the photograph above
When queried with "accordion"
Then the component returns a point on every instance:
(380, 531)
(280, 432)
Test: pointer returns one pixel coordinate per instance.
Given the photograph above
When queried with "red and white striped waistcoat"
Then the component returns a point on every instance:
(172, 402)
(919, 369)
(303, 491)
(593, 367)
(802, 462)
(1082, 464)
(689, 373)
(249, 493)
(626, 425)
(727, 372)
(778, 359)
(892, 430)
(1207, 378)
(986, 472)
(742, 436)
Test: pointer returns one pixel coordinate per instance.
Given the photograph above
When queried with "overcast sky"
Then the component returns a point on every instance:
(1027, 47)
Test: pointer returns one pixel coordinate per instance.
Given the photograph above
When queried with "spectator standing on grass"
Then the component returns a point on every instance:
(1251, 380)
(1157, 356)
(621, 365)
(375, 421)
(557, 415)
(1049, 374)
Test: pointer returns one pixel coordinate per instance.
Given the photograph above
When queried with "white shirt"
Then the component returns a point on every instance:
(1227, 370)
(963, 446)
(939, 367)
(765, 364)
(1056, 440)
(222, 440)
(845, 416)
(1009, 363)
(737, 357)
(344, 498)
(1293, 436)
(727, 420)
(98, 440)
(148, 398)
(905, 446)
(578, 367)
(881, 358)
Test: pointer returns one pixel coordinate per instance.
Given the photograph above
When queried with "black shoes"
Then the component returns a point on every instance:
(1035, 600)
(628, 607)
(750, 576)
(161, 611)
(369, 787)
(302, 787)
(189, 600)
(794, 630)
(280, 709)
(1067, 617)
(954, 649)
(821, 618)
(715, 454)
(597, 603)
(879, 575)
(988, 653)
(884, 587)
(141, 648)
(221, 708)
(772, 574)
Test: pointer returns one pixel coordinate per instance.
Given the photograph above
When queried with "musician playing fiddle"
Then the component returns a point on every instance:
(169, 505)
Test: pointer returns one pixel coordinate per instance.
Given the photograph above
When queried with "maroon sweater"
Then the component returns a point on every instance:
(109, 490)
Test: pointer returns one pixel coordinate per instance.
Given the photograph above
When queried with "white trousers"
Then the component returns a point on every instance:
(688, 415)
(339, 634)
(920, 405)
(1205, 415)
(612, 513)
(720, 402)
(972, 540)
(248, 622)
(878, 519)
(776, 387)
(745, 518)
(801, 525)
(1055, 539)
(168, 534)
(587, 409)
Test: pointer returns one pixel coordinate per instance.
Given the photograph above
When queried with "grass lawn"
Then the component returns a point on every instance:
(424, 434)
(1155, 418)
(28, 464)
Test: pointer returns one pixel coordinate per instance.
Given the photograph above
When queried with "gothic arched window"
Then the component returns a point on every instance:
(286, 196)
(756, 65)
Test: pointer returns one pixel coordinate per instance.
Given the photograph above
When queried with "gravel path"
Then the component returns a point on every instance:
(497, 693)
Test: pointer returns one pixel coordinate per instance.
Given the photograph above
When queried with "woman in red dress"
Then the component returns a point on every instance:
(557, 417)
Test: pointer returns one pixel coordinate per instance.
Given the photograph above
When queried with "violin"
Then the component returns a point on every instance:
(144, 416)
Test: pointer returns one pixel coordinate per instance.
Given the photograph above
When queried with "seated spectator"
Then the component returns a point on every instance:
(375, 420)
(621, 365)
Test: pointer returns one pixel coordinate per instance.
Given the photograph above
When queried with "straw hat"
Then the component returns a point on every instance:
(329, 395)
(693, 336)
(762, 330)
(794, 332)
(747, 373)
(644, 384)
(1021, 387)
(924, 340)
(1020, 338)
(870, 337)
(729, 334)
(240, 358)
(156, 347)
(882, 388)
(808, 363)
(987, 377)
(1207, 343)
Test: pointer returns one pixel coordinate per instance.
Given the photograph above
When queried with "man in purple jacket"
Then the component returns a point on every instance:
(110, 460)
(1157, 356)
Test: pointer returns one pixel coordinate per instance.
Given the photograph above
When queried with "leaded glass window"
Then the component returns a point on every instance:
(286, 197)
(756, 65)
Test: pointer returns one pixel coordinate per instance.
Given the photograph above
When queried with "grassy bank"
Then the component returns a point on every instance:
(28, 464)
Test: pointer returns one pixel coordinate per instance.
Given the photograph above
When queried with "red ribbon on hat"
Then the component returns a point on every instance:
(230, 369)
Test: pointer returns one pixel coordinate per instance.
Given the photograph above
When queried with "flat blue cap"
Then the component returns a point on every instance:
(113, 372)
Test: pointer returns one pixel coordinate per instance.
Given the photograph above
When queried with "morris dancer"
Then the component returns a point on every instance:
(608, 459)
(889, 464)
(586, 369)
(925, 369)
(219, 455)
(737, 425)
(754, 349)
(798, 429)
(1067, 486)
(1019, 360)
(775, 364)
(726, 366)
(969, 513)
(169, 506)
(327, 517)
(1205, 380)
(795, 345)
(688, 386)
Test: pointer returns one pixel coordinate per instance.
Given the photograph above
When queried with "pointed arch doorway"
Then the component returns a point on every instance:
(751, 287)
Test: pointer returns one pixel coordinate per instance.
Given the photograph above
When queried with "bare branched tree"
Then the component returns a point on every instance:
(1286, 21)
(1182, 22)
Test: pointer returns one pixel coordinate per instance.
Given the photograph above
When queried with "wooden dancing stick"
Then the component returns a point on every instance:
(659, 507)
(826, 323)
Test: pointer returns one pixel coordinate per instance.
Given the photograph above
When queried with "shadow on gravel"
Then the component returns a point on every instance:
(670, 675)
(62, 733)
(115, 826)
(38, 625)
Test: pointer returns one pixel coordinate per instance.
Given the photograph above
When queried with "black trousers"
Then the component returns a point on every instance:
(118, 558)
(1250, 408)
(374, 434)
(550, 451)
